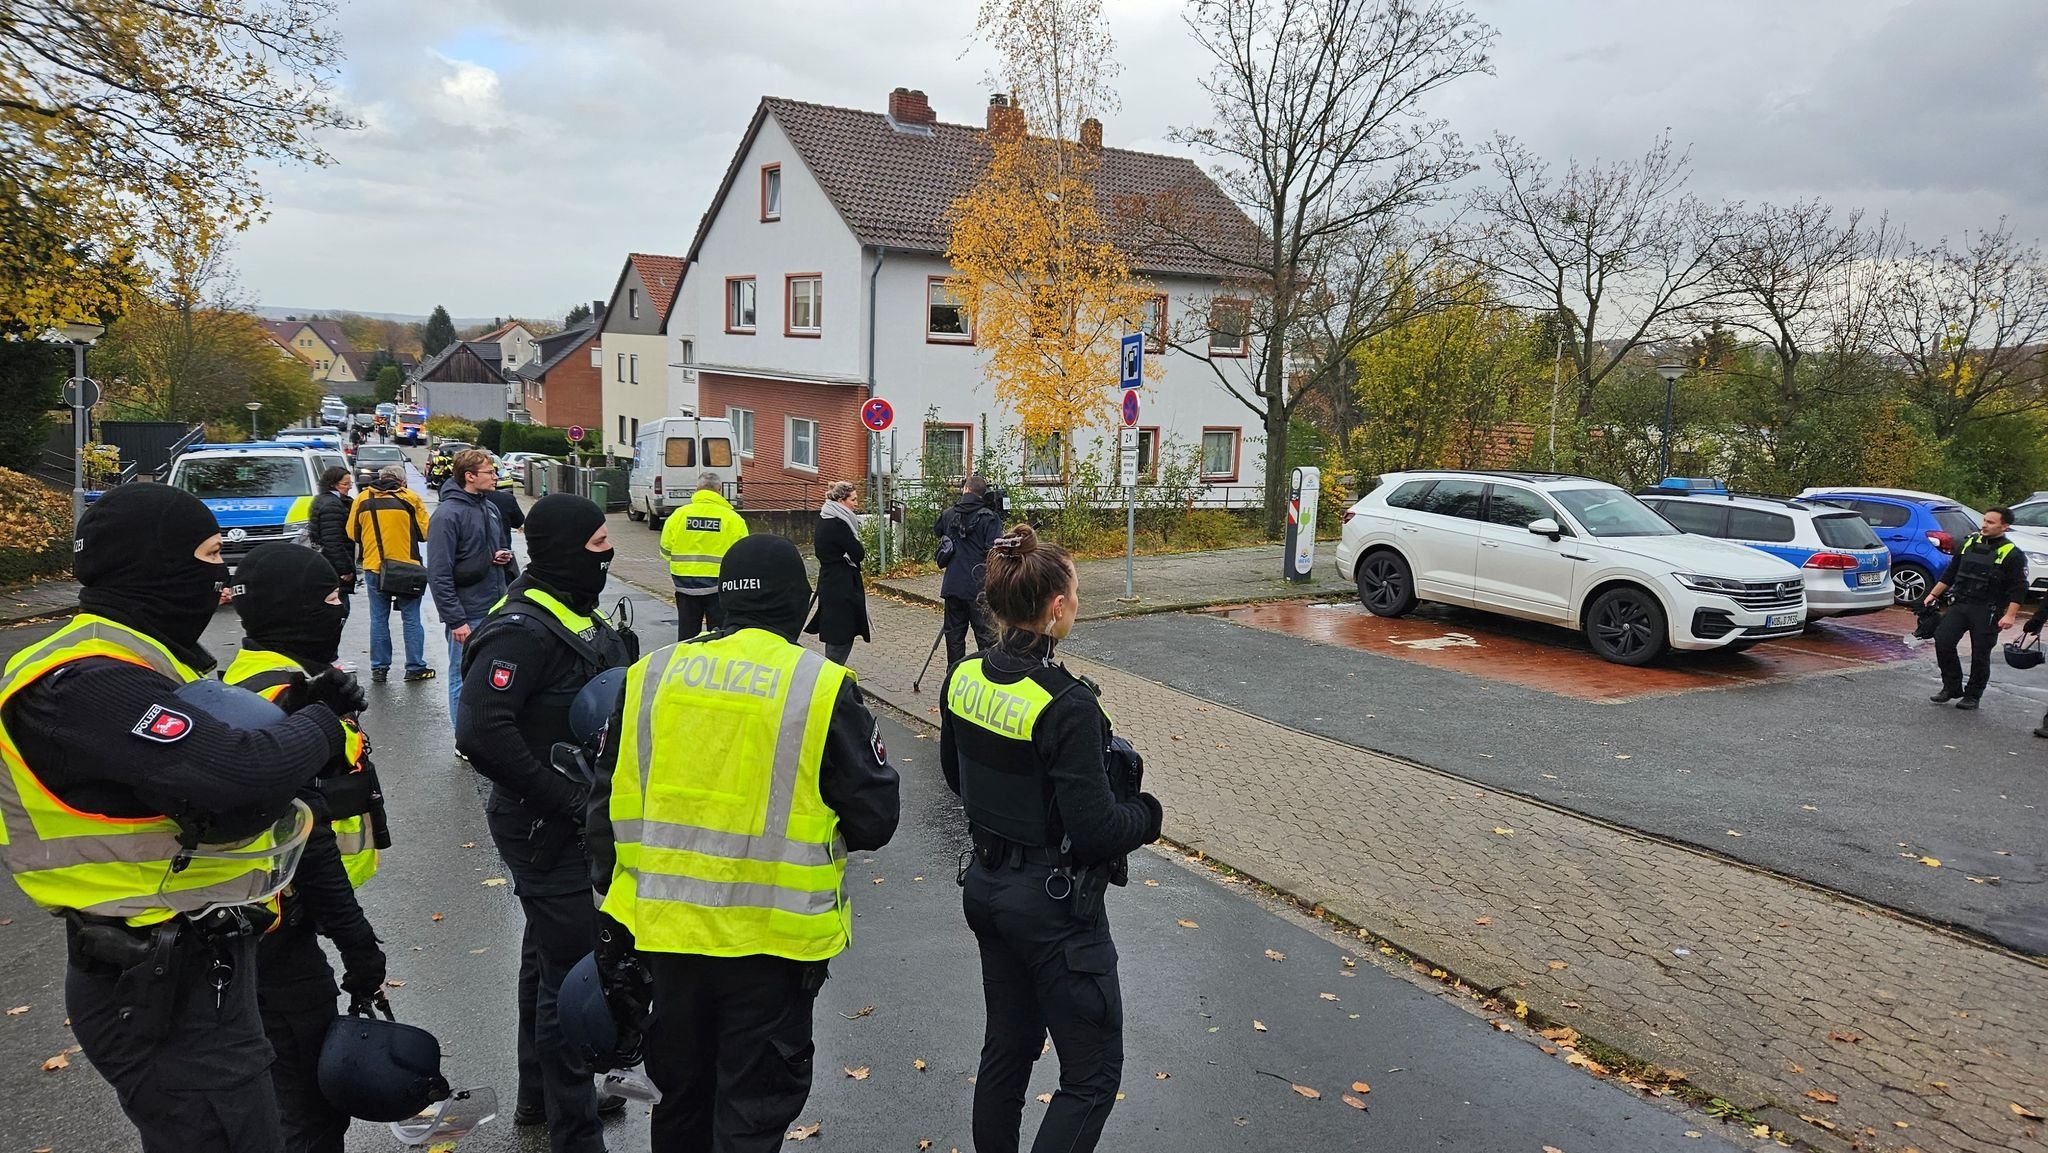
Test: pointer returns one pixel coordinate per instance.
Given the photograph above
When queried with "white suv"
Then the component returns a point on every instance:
(1567, 550)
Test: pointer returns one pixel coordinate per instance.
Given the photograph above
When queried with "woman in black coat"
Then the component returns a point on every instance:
(327, 529)
(842, 600)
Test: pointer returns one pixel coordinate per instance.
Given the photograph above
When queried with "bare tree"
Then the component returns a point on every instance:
(1320, 140)
(1968, 327)
(1789, 275)
(1619, 251)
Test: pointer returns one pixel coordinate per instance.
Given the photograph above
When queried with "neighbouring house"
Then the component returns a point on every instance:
(463, 379)
(817, 280)
(637, 381)
(564, 386)
(517, 345)
(329, 357)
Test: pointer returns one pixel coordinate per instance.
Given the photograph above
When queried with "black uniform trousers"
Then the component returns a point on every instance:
(696, 614)
(205, 1083)
(960, 614)
(561, 927)
(730, 1049)
(1043, 969)
(295, 1020)
(1981, 622)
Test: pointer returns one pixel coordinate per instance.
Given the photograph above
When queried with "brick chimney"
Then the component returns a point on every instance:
(1003, 116)
(909, 106)
(1091, 134)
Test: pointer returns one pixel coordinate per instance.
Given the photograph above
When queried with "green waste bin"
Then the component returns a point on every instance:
(601, 494)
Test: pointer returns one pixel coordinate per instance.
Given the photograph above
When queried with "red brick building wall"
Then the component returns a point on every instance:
(842, 442)
(573, 394)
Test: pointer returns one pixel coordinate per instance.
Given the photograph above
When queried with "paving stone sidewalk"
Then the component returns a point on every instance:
(1763, 990)
(38, 601)
(1171, 581)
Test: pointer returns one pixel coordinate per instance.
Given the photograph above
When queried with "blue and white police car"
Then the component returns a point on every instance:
(1846, 568)
(260, 492)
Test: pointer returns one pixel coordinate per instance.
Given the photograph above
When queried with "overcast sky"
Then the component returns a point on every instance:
(516, 150)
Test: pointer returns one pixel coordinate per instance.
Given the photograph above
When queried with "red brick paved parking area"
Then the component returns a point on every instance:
(1553, 660)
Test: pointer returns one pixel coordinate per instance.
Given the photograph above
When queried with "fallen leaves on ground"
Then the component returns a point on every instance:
(1151, 884)
(1760, 1130)
(1258, 1025)
(396, 984)
(1733, 833)
(1845, 1038)
(469, 844)
(1821, 1122)
(2019, 1110)
(863, 1011)
(1044, 1098)
(17, 1011)
(493, 882)
(1161, 1075)
(919, 1065)
(860, 1074)
(1822, 1096)
(1351, 962)
(1931, 862)
(1187, 924)
(1311, 1094)
(1556, 965)
(1360, 1087)
(1354, 1102)
(437, 916)
(1501, 1025)
(804, 1132)
(1327, 996)
(1694, 1134)
(60, 1061)
(1275, 955)
(1503, 831)
(1482, 920)
(1552, 1149)
(924, 1144)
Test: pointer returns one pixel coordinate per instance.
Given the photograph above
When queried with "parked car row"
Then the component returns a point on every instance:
(1686, 567)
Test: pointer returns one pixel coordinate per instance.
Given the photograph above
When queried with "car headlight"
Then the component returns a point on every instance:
(2037, 559)
(1709, 584)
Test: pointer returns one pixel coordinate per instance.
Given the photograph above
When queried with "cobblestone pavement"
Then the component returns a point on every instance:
(1174, 581)
(38, 601)
(1781, 998)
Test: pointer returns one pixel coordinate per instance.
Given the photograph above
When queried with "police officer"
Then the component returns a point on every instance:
(292, 614)
(739, 770)
(522, 669)
(1027, 746)
(1988, 576)
(118, 791)
(694, 541)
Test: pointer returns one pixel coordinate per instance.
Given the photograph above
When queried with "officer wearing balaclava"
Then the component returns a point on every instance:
(119, 789)
(738, 931)
(289, 599)
(522, 668)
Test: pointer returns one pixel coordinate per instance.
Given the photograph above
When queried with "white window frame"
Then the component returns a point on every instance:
(789, 458)
(933, 286)
(1243, 309)
(633, 303)
(732, 304)
(1059, 473)
(633, 362)
(1236, 441)
(965, 432)
(621, 374)
(771, 180)
(742, 430)
(817, 305)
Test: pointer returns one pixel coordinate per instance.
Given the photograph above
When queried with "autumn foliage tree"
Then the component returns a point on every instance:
(1050, 290)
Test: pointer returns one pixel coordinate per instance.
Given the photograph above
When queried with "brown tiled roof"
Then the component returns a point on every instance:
(499, 332)
(662, 275)
(893, 188)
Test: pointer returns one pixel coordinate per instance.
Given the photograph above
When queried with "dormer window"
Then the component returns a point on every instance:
(771, 192)
(633, 303)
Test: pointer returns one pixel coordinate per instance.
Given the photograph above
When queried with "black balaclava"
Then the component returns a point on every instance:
(133, 555)
(281, 593)
(762, 584)
(558, 526)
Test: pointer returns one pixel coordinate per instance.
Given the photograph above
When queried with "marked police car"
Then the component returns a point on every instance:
(260, 492)
(1847, 570)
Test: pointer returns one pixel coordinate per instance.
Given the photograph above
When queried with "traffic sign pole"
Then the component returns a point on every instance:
(1130, 377)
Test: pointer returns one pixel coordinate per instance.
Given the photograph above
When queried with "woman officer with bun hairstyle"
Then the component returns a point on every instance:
(1027, 746)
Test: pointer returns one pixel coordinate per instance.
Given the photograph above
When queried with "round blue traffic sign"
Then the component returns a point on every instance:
(1130, 408)
(878, 415)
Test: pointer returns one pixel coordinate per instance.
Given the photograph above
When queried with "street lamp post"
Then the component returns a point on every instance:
(80, 394)
(256, 406)
(1670, 373)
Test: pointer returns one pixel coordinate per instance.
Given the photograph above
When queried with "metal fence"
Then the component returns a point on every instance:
(557, 476)
(808, 494)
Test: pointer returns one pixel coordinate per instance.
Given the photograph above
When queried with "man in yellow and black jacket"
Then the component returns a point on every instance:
(117, 788)
(694, 541)
(290, 604)
(1988, 576)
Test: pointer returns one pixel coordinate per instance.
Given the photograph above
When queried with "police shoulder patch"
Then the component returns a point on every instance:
(162, 725)
(881, 750)
(502, 673)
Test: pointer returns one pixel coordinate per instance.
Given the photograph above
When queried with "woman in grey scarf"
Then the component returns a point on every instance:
(842, 600)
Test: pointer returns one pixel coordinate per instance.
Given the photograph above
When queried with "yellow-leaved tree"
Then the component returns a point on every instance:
(1034, 262)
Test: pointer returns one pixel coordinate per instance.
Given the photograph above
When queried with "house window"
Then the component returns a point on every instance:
(689, 351)
(947, 449)
(1229, 328)
(742, 428)
(622, 431)
(801, 310)
(634, 439)
(739, 304)
(633, 303)
(771, 192)
(1045, 458)
(1148, 455)
(1155, 324)
(946, 319)
(597, 357)
(1219, 453)
(633, 368)
(622, 368)
(803, 444)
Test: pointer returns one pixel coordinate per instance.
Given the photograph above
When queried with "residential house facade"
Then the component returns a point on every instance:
(817, 280)
(563, 387)
(328, 355)
(633, 333)
(463, 379)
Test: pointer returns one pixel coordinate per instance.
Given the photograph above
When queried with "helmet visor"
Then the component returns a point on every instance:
(449, 1121)
(247, 873)
(632, 1084)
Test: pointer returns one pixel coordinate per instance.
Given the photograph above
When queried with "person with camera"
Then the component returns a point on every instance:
(965, 531)
(1988, 578)
(467, 558)
(526, 662)
(388, 522)
(1053, 804)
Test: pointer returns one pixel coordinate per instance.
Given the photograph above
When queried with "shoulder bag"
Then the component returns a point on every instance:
(397, 578)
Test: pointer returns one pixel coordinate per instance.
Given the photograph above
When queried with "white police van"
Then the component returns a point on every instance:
(260, 492)
(670, 455)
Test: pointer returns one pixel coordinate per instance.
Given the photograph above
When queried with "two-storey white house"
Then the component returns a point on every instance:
(637, 382)
(817, 280)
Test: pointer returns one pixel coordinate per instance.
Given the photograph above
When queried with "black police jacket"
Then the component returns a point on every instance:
(1069, 797)
(519, 677)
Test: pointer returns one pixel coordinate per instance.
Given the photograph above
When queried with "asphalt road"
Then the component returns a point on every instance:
(1845, 781)
(1440, 1076)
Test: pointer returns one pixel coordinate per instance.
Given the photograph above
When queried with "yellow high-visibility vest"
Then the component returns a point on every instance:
(696, 538)
(65, 858)
(267, 674)
(726, 847)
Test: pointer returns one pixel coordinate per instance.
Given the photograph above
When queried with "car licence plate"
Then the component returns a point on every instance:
(1870, 578)
(1781, 620)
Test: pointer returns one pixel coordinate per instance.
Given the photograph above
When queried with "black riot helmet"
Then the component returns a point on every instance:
(380, 1070)
(587, 1023)
(2025, 653)
(592, 709)
(1926, 622)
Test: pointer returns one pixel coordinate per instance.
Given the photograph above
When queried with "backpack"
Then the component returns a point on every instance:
(949, 545)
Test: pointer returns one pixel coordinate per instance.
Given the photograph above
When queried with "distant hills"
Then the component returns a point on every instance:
(274, 313)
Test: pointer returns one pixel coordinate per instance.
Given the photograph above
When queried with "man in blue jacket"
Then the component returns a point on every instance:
(466, 557)
(970, 526)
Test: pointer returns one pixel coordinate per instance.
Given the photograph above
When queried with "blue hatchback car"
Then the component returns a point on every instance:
(1920, 528)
